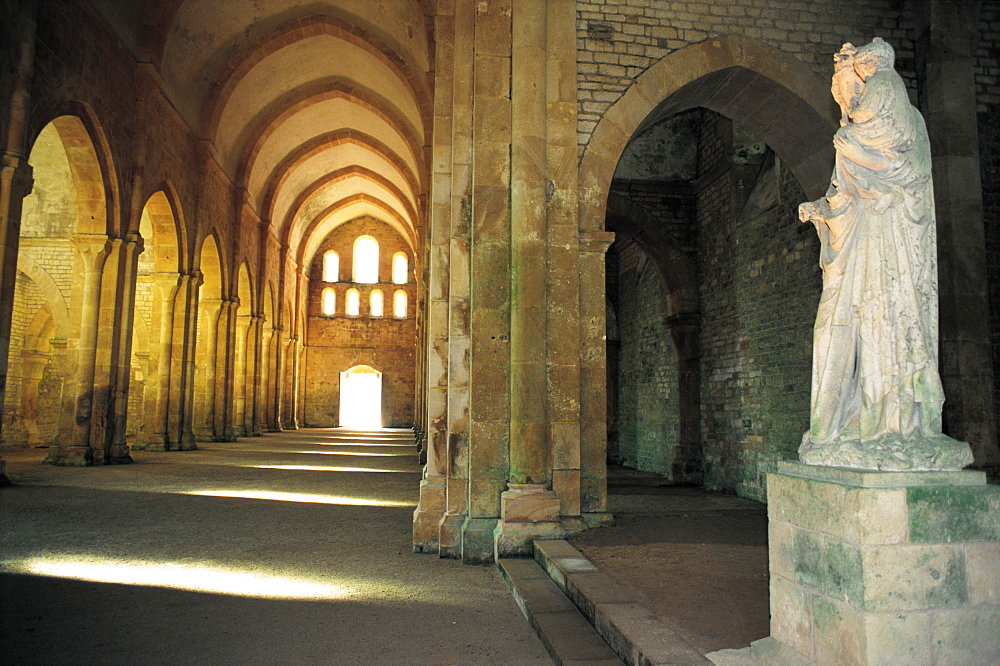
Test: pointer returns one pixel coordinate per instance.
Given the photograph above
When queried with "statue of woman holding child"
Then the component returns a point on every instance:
(876, 392)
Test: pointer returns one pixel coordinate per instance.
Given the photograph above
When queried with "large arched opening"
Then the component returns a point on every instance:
(50, 388)
(208, 343)
(156, 291)
(698, 169)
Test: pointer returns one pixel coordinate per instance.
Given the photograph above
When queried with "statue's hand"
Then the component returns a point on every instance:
(810, 212)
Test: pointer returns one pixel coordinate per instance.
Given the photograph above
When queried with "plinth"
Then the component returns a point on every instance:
(527, 512)
(872, 567)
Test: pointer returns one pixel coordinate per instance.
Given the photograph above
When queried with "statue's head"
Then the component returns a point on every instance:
(874, 56)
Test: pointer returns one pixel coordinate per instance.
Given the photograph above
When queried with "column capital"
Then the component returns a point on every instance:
(596, 241)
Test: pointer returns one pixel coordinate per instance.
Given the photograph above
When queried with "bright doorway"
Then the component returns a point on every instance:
(361, 398)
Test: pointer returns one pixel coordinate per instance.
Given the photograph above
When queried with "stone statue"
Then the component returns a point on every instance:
(876, 393)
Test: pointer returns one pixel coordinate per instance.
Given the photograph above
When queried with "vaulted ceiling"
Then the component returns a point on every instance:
(321, 110)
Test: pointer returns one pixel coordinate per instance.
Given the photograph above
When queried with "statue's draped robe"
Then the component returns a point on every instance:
(876, 390)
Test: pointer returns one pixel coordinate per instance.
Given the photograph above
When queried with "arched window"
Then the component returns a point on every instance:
(400, 268)
(366, 260)
(331, 267)
(329, 301)
(399, 304)
(353, 302)
(375, 305)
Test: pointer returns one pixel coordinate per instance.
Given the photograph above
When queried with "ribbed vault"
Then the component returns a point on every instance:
(320, 111)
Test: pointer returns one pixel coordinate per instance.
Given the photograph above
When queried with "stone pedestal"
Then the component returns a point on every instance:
(871, 567)
(527, 512)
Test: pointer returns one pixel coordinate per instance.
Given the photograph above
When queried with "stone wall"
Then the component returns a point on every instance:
(619, 39)
(988, 107)
(339, 342)
(648, 417)
(760, 285)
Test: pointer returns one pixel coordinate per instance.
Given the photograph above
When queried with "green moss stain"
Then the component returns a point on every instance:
(952, 589)
(954, 513)
(828, 566)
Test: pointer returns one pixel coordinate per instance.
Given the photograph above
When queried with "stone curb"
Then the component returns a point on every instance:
(633, 630)
(566, 634)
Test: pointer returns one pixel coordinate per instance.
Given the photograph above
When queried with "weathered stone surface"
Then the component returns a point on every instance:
(842, 592)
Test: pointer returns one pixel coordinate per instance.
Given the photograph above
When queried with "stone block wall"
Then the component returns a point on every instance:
(339, 342)
(760, 285)
(987, 70)
(619, 39)
(648, 417)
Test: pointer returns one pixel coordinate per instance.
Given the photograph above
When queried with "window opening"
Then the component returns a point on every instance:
(399, 304)
(400, 268)
(375, 306)
(353, 302)
(331, 267)
(329, 301)
(366, 260)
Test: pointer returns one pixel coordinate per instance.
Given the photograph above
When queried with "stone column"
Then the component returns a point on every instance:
(15, 180)
(430, 509)
(254, 401)
(464, 79)
(593, 245)
(225, 356)
(684, 329)
(127, 268)
(276, 370)
(15, 184)
(529, 507)
(563, 259)
(188, 315)
(489, 379)
(946, 45)
(74, 446)
(292, 376)
(161, 418)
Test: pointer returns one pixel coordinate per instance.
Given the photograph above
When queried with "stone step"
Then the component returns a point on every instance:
(631, 628)
(566, 634)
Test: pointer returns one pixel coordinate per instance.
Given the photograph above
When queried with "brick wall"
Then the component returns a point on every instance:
(619, 39)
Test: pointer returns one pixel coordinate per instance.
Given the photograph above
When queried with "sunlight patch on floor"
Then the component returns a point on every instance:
(322, 468)
(358, 453)
(298, 497)
(193, 577)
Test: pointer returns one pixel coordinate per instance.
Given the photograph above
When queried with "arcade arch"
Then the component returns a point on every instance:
(692, 338)
(58, 387)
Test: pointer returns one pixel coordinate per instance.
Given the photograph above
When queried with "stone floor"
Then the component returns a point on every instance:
(295, 548)
(696, 558)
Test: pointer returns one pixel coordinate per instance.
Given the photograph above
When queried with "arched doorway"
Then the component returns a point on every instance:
(708, 253)
(361, 398)
(156, 290)
(51, 393)
(208, 342)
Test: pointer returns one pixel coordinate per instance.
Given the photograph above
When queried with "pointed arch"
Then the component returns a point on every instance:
(768, 91)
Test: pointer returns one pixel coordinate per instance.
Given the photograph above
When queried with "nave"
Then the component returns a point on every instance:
(287, 548)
